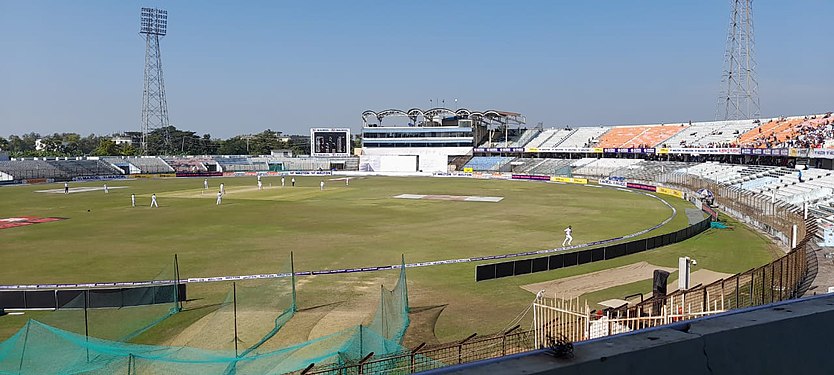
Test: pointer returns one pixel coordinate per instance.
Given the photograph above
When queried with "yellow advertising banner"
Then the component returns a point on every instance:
(532, 149)
(597, 150)
(663, 151)
(468, 170)
(570, 180)
(672, 192)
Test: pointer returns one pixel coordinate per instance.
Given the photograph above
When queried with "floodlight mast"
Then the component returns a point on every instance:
(153, 25)
(739, 98)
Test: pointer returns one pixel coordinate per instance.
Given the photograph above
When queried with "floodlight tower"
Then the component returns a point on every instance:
(153, 26)
(739, 97)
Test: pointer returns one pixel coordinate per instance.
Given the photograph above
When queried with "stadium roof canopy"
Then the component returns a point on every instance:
(419, 116)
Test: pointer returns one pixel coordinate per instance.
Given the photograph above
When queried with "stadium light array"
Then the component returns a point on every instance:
(154, 21)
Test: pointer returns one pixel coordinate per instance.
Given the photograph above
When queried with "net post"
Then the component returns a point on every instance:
(234, 306)
(177, 301)
(292, 277)
(404, 280)
(25, 341)
(86, 323)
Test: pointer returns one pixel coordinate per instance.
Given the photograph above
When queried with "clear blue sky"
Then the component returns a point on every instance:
(233, 68)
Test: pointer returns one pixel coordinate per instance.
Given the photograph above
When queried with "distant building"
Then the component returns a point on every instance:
(282, 152)
(121, 140)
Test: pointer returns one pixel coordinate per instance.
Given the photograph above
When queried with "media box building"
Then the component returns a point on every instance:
(430, 141)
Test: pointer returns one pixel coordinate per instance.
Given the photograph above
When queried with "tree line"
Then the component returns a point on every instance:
(163, 141)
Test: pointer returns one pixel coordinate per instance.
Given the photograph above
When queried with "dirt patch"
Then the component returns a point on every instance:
(575, 286)
(421, 328)
(259, 303)
(298, 328)
(357, 309)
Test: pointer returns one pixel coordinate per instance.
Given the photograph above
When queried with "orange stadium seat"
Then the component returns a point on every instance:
(618, 136)
(638, 136)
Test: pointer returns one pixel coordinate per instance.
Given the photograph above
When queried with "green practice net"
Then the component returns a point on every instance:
(118, 315)
(39, 348)
(252, 312)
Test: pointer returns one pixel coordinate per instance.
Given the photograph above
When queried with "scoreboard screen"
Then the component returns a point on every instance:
(330, 142)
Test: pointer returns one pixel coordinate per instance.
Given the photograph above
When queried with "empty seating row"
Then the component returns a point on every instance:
(550, 138)
(604, 167)
(150, 164)
(27, 169)
(584, 137)
(488, 163)
(649, 170)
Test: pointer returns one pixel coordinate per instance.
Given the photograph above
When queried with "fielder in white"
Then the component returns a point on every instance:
(219, 198)
(568, 237)
(260, 184)
(205, 184)
(222, 189)
(321, 185)
(347, 181)
(282, 181)
(153, 201)
(105, 189)
(133, 200)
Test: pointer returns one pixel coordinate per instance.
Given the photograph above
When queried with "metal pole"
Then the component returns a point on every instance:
(535, 326)
(793, 236)
(177, 283)
(292, 277)
(86, 325)
(234, 306)
(23, 351)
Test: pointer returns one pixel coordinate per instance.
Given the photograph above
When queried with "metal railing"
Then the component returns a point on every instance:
(424, 357)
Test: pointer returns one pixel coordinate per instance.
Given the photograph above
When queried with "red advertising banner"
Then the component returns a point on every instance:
(11, 222)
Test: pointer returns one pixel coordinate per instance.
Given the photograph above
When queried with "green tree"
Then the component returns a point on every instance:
(106, 147)
(128, 149)
(233, 146)
(264, 142)
(88, 144)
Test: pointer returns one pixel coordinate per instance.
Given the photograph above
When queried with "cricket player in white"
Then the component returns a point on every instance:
(66, 188)
(321, 185)
(568, 237)
(347, 181)
(105, 189)
(282, 181)
(133, 200)
(293, 181)
(205, 184)
(260, 184)
(153, 201)
(219, 198)
(222, 189)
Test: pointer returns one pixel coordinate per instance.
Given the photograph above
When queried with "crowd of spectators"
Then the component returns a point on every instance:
(812, 133)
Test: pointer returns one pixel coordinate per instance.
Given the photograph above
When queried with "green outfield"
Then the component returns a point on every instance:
(253, 231)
